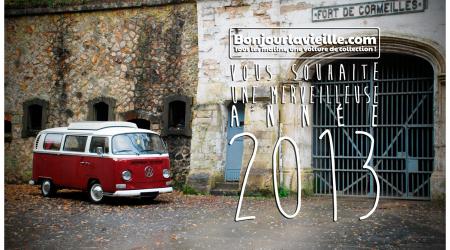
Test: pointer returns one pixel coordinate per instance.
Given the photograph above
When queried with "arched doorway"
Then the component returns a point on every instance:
(101, 111)
(404, 138)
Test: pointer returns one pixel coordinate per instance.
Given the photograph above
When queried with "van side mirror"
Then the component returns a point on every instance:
(99, 151)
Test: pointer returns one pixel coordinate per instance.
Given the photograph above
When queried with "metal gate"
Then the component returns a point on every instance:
(403, 150)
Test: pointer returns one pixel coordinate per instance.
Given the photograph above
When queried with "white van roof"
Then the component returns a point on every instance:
(99, 125)
(98, 128)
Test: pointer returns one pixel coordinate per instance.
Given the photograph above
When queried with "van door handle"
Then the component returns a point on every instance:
(85, 163)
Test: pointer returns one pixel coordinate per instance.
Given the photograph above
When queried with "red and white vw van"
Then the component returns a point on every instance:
(102, 158)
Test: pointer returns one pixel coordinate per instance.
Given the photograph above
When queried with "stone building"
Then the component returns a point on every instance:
(409, 153)
(166, 65)
(107, 62)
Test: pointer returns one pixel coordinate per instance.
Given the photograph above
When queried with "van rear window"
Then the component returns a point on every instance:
(75, 143)
(53, 141)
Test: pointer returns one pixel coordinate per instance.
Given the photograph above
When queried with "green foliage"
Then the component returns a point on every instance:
(283, 191)
(177, 185)
(190, 190)
(27, 175)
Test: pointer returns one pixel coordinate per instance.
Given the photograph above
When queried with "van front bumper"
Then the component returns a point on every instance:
(138, 192)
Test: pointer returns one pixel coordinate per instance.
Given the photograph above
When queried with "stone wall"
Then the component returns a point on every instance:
(134, 56)
(215, 18)
(180, 155)
(144, 53)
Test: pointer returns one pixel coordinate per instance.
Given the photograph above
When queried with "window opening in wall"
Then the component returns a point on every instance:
(35, 117)
(177, 115)
(8, 131)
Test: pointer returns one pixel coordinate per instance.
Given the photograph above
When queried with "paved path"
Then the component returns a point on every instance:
(176, 221)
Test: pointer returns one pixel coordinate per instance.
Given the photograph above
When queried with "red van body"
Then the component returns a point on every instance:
(102, 158)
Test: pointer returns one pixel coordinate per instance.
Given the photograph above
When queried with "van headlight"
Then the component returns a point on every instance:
(166, 173)
(126, 175)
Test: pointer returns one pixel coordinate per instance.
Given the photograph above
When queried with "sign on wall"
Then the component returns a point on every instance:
(367, 9)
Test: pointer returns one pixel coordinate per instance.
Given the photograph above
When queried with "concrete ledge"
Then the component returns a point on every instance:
(93, 6)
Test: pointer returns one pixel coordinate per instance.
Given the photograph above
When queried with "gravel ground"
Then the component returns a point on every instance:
(177, 221)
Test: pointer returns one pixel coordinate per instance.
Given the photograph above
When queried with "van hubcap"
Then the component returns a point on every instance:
(96, 192)
(46, 187)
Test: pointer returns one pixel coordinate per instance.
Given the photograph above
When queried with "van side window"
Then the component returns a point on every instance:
(99, 142)
(75, 143)
(53, 141)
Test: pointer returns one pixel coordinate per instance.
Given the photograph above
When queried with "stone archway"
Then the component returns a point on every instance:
(389, 44)
(433, 55)
(142, 118)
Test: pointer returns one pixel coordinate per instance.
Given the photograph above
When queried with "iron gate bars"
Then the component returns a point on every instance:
(403, 154)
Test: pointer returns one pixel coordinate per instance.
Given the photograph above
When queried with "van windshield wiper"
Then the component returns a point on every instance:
(125, 150)
(149, 150)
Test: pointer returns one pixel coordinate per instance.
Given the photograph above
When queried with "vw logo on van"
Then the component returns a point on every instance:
(148, 171)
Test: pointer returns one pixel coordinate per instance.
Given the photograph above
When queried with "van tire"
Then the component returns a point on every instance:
(95, 192)
(48, 189)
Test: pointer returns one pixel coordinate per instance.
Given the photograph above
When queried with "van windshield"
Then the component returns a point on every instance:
(138, 143)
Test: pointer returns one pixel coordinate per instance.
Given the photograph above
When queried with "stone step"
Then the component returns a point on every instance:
(222, 192)
(227, 186)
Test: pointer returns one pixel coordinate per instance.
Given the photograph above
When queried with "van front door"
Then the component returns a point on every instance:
(98, 167)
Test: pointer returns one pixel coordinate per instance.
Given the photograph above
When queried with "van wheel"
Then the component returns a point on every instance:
(96, 193)
(47, 188)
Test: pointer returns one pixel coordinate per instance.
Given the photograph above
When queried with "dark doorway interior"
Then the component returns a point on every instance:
(101, 111)
(141, 123)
